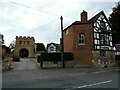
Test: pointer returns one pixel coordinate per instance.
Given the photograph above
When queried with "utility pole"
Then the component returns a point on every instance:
(62, 43)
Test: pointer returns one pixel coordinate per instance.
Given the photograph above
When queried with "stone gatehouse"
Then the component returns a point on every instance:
(25, 46)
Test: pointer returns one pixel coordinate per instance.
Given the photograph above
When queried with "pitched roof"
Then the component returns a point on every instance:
(76, 23)
(96, 17)
(93, 19)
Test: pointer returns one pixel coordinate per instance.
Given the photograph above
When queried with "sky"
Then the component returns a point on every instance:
(41, 18)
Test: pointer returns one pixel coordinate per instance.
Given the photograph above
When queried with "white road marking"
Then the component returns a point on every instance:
(90, 85)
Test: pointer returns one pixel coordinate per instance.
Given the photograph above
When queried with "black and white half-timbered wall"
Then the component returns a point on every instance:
(103, 51)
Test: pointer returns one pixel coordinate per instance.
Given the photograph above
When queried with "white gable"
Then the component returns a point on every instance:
(52, 48)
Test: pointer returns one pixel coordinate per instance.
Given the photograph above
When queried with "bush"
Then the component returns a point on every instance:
(55, 57)
(38, 59)
(51, 56)
(68, 56)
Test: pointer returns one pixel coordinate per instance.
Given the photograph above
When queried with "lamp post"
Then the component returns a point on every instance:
(62, 43)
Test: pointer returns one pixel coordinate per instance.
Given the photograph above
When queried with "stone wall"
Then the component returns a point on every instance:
(99, 61)
(49, 64)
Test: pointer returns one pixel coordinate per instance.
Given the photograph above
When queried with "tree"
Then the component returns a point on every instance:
(115, 22)
(8, 50)
(40, 47)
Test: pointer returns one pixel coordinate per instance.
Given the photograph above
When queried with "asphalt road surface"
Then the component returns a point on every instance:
(26, 74)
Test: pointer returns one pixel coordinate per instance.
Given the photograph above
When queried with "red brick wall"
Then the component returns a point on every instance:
(82, 53)
(68, 40)
(5, 54)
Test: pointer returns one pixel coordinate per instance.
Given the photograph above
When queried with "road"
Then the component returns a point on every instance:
(26, 74)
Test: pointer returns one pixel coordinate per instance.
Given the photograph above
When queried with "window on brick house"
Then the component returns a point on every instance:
(81, 38)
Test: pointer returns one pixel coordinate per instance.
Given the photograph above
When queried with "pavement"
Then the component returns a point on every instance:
(96, 70)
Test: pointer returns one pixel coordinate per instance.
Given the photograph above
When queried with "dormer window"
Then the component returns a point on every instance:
(81, 39)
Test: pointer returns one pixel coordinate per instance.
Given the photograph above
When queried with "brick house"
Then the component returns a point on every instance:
(90, 41)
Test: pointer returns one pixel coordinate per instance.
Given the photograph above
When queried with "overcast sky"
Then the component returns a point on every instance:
(41, 18)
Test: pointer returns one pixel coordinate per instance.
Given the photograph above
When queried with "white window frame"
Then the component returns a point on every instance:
(81, 39)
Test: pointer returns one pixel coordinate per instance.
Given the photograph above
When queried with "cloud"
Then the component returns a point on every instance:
(41, 18)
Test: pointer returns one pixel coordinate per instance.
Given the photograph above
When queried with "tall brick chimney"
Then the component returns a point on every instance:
(84, 16)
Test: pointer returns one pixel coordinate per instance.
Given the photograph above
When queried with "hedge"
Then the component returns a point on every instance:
(67, 56)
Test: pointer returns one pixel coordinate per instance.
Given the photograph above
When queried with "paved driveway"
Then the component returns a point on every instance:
(24, 64)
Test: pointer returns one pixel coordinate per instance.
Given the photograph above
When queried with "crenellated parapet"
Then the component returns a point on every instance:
(25, 38)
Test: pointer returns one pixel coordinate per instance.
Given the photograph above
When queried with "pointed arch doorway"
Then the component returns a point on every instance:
(24, 53)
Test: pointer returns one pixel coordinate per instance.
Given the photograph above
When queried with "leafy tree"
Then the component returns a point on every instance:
(115, 22)
(8, 50)
(40, 47)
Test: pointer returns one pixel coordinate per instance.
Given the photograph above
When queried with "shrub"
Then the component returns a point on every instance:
(55, 57)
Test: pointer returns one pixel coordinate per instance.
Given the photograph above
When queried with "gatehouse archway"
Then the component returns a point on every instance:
(24, 53)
